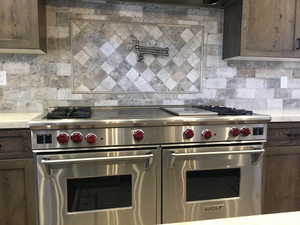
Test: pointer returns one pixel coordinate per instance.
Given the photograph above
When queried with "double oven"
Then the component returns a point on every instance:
(102, 187)
(147, 184)
(211, 182)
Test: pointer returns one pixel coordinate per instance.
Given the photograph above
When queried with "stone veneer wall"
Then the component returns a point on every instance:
(35, 82)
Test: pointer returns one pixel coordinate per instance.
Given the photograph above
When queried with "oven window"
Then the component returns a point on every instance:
(212, 184)
(99, 193)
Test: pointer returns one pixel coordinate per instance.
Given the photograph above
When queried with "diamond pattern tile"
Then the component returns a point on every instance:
(187, 35)
(107, 49)
(107, 68)
(104, 57)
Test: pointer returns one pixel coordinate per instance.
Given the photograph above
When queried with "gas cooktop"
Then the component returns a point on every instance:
(201, 110)
(137, 116)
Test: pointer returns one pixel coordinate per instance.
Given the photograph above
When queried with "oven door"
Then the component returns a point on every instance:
(211, 182)
(107, 188)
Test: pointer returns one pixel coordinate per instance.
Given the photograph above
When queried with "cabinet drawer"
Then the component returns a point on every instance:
(15, 144)
(284, 134)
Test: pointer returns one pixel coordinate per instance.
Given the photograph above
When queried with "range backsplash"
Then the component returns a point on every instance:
(35, 82)
(119, 57)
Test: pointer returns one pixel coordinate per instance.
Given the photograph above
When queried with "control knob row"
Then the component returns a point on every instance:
(189, 133)
(76, 137)
(234, 132)
(207, 134)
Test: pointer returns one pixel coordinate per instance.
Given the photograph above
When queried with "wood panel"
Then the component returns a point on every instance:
(281, 183)
(281, 177)
(232, 29)
(17, 200)
(269, 27)
(268, 30)
(284, 134)
(284, 137)
(20, 22)
(15, 144)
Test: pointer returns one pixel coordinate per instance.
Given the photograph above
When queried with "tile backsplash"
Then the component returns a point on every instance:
(35, 82)
(106, 57)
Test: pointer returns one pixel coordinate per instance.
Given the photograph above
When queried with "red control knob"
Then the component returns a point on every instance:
(63, 138)
(138, 135)
(76, 137)
(234, 132)
(245, 132)
(188, 134)
(207, 134)
(91, 138)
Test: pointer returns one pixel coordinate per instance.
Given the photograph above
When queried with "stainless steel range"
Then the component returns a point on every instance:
(147, 165)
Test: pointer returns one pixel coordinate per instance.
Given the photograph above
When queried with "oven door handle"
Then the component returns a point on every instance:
(199, 154)
(148, 158)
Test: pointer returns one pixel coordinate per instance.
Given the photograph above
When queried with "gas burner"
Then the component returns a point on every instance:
(70, 113)
(226, 111)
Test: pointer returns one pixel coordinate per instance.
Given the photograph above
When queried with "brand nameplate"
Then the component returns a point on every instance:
(214, 208)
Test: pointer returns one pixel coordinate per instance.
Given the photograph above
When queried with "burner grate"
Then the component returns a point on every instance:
(226, 111)
(70, 113)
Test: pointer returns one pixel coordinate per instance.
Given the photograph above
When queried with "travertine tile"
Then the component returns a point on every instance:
(64, 69)
(131, 10)
(3, 81)
(254, 83)
(275, 104)
(16, 68)
(245, 93)
(226, 71)
(215, 83)
(103, 60)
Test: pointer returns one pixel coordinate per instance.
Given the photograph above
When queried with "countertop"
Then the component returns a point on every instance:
(282, 116)
(16, 120)
(292, 218)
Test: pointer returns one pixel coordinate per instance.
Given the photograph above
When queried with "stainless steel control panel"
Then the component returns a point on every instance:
(58, 139)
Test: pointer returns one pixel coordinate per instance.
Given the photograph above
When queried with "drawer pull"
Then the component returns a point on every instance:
(298, 44)
(0, 146)
(293, 135)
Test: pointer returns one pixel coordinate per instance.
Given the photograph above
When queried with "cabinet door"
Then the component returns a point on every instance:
(15, 144)
(17, 202)
(282, 181)
(19, 24)
(269, 28)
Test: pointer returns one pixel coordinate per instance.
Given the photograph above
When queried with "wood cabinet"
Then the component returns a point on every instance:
(17, 204)
(282, 169)
(262, 30)
(23, 26)
(17, 183)
(15, 144)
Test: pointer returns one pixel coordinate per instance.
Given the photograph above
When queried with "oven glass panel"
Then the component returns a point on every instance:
(99, 193)
(213, 184)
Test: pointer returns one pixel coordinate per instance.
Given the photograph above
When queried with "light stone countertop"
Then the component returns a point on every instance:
(292, 218)
(281, 116)
(16, 120)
